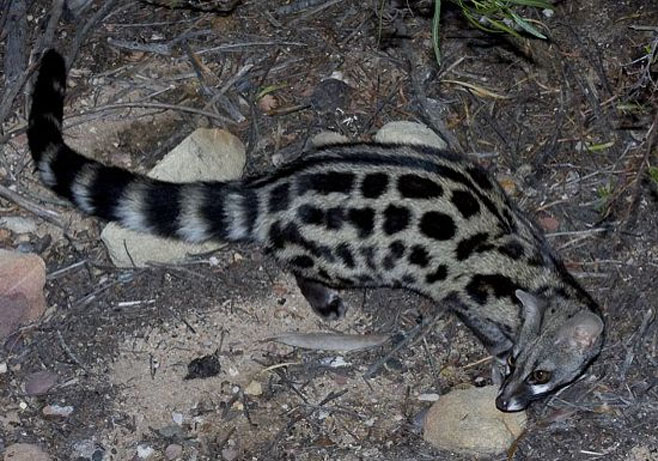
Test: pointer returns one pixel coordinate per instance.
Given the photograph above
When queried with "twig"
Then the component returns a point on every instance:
(38, 210)
(69, 352)
(422, 327)
(82, 33)
(631, 217)
(158, 105)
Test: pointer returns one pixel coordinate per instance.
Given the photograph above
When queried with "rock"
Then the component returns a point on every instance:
(430, 397)
(40, 382)
(18, 224)
(144, 451)
(206, 155)
(254, 388)
(57, 411)
(325, 138)
(173, 451)
(88, 450)
(467, 421)
(22, 278)
(25, 452)
(409, 133)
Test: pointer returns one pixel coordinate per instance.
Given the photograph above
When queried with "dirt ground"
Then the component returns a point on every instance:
(565, 124)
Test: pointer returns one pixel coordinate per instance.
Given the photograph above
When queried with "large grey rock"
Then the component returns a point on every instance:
(22, 278)
(405, 132)
(467, 421)
(208, 154)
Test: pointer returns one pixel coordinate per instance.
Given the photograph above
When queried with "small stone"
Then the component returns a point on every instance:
(144, 451)
(325, 138)
(19, 224)
(177, 418)
(431, 397)
(467, 421)
(230, 453)
(335, 362)
(508, 183)
(25, 452)
(57, 411)
(173, 451)
(549, 223)
(22, 278)
(40, 382)
(3, 368)
(254, 388)
(409, 133)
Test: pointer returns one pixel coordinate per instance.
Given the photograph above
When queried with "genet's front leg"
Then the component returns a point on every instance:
(325, 301)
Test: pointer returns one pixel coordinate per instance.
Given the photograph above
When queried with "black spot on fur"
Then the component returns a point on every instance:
(369, 255)
(310, 214)
(408, 279)
(279, 198)
(481, 285)
(396, 219)
(323, 274)
(474, 243)
(439, 274)
(327, 183)
(397, 249)
(419, 256)
(344, 252)
(388, 262)
(414, 186)
(480, 177)
(335, 218)
(438, 226)
(512, 249)
(363, 278)
(374, 185)
(363, 219)
(302, 261)
(466, 203)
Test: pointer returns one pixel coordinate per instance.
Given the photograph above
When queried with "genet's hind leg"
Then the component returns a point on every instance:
(326, 302)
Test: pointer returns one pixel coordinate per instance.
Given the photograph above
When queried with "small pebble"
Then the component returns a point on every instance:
(254, 388)
(144, 451)
(3, 368)
(431, 397)
(173, 451)
(177, 418)
(58, 411)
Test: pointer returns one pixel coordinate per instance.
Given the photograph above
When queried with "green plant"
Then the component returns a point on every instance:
(653, 174)
(494, 16)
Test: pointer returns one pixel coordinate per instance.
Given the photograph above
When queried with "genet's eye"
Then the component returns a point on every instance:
(539, 377)
(511, 361)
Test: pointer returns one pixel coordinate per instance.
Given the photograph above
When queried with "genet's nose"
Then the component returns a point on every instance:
(502, 403)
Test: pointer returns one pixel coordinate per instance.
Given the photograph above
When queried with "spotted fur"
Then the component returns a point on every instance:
(357, 215)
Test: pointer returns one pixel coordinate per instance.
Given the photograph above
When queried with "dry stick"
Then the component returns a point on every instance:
(69, 352)
(332, 396)
(82, 34)
(158, 105)
(419, 329)
(631, 217)
(38, 210)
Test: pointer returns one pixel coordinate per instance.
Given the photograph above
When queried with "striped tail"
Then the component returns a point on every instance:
(194, 212)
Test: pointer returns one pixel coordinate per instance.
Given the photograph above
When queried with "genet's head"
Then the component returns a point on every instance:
(548, 357)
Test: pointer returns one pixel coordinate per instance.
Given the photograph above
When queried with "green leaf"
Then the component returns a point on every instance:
(526, 26)
(435, 31)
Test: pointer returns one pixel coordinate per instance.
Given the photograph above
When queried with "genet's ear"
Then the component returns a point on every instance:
(533, 308)
(582, 331)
